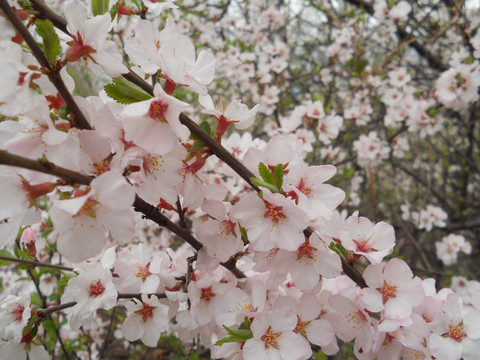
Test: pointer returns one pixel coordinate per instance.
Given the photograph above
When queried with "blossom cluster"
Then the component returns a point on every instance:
(270, 269)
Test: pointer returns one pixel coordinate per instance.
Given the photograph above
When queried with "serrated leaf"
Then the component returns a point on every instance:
(266, 174)
(206, 127)
(279, 175)
(6, 254)
(125, 92)
(51, 42)
(197, 145)
(114, 10)
(25, 4)
(257, 182)
(99, 7)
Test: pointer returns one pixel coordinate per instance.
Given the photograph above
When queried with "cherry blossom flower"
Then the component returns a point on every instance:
(154, 124)
(81, 221)
(90, 39)
(147, 319)
(456, 334)
(92, 289)
(271, 221)
(273, 337)
(393, 289)
(14, 315)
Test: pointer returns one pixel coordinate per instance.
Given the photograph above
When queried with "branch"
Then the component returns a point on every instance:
(52, 73)
(433, 61)
(42, 313)
(36, 263)
(45, 167)
(140, 205)
(46, 13)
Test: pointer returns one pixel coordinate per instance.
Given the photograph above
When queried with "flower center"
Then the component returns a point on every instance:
(157, 110)
(146, 312)
(17, 313)
(363, 245)
(301, 327)
(144, 271)
(207, 294)
(88, 208)
(306, 251)
(96, 288)
(304, 188)
(388, 291)
(270, 338)
(274, 213)
(227, 228)
(456, 332)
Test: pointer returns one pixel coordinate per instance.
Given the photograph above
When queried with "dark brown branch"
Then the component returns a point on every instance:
(52, 73)
(140, 205)
(47, 13)
(36, 263)
(434, 61)
(45, 167)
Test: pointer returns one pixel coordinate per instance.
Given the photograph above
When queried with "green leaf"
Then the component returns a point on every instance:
(207, 128)
(99, 7)
(257, 182)
(266, 174)
(244, 235)
(114, 10)
(279, 175)
(240, 335)
(63, 282)
(51, 43)
(6, 254)
(25, 4)
(197, 145)
(125, 92)
(348, 172)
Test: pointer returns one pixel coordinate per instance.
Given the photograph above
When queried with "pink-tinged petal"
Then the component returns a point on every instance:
(470, 349)
(254, 350)
(204, 68)
(453, 308)
(372, 299)
(94, 145)
(321, 173)
(283, 319)
(294, 347)
(72, 206)
(76, 14)
(471, 323)
(383, 236)
(397, 271)
(309, 307)
(150, 338)
(373, 276)
(133, 327)
(320, 332)
(113, 191)
(444, 348)
(259, 326)
(397, 309)
(38, 353)
(110, 60)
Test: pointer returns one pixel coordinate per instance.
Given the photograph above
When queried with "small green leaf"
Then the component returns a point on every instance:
(206, 127)
(328, 106)
(257, 182)
(240, 335)
(244, 235)
(266, 174)
(125, 92)
(197, 145)
(51, 43)
(63, 282)
(6, 254)
(114, 10)
(348, 172)
(279, 175)
(25, 4)
(99, 7)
